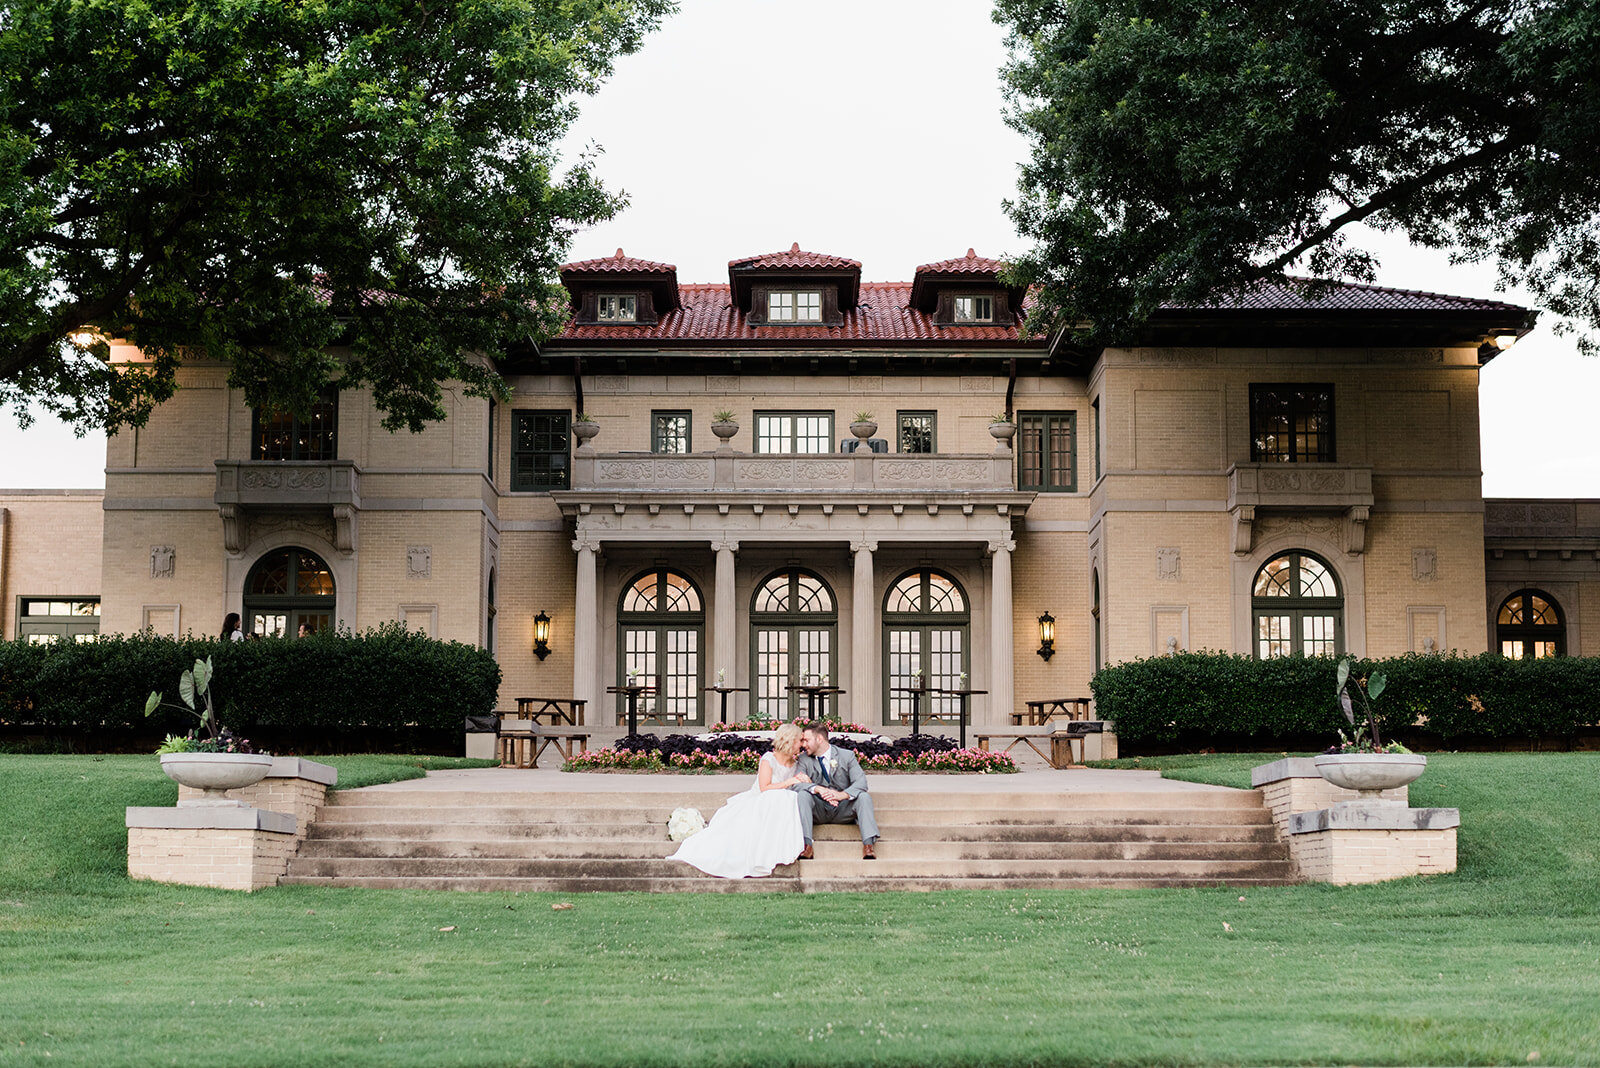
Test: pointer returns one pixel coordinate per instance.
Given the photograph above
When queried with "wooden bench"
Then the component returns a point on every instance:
(522, 748)
(679, 718)
(1060, 744)
(1041, 712)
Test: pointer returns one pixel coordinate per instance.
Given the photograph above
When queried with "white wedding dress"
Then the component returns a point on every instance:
(751, 834)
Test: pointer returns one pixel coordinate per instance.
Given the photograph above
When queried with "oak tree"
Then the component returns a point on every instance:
(366, 190)
(1180, 149)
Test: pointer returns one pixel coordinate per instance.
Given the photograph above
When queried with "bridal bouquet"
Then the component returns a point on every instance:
(685, 822)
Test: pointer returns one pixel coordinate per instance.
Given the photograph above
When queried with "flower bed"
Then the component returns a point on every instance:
(834, 726)
(733, 754)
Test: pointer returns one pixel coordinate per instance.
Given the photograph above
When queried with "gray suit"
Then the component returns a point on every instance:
(846, 776)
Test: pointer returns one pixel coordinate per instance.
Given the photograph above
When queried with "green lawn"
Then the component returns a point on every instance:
(1499, 963)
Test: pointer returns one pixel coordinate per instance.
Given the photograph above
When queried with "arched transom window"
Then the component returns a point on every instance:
(1297, 607)
(285, 589)
(1530, 626)
(794, 625)
(926, 629)
(662, 623)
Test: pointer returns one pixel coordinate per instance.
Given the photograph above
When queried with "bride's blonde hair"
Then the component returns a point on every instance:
(787, 741)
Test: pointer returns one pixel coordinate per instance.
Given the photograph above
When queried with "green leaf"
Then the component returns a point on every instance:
(152, 704)
(186, 688)
(1343, 676)
(202, 675)
(1375, 684)
(1347, 707)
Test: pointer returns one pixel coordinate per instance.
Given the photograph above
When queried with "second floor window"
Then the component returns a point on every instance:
(974, 309)
(1047, 446)
(794, 432)
(669, 432)
(615, 308)
(282, 436)
(541, 450)
(916, 432)
(1291, 422)
(790, 306)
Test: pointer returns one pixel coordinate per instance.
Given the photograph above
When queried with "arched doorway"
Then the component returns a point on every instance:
(286, 588)
(1297, 607)
(662, 624)
(926, 628)
(1530, 626)
(794, 628)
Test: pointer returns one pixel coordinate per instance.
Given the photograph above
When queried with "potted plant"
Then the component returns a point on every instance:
(1002, 429)
(584, 427)
(1362, 761)
(215, 762)
(864, 425)
(724, 425)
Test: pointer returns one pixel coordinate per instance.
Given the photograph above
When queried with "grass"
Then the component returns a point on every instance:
(1498, 963)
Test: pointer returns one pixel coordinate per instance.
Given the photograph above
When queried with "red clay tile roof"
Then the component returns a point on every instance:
(708, 314)
(618, 264)
(795, 260)
(971, 263)
(1289, 296)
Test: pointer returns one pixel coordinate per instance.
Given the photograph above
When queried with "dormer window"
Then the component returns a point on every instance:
(794, 306)
(617, 308)
(974, 309)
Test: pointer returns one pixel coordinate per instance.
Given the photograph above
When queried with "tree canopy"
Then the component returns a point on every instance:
(258, 180)
(1184, 148)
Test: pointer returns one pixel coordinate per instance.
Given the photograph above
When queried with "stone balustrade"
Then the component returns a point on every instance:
(727, 471)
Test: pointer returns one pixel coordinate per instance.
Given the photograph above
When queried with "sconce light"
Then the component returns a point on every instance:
(541, 635)
(1047, 635)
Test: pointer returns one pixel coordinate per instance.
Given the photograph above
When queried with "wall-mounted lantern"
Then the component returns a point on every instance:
(1047, 635)
(541, 635)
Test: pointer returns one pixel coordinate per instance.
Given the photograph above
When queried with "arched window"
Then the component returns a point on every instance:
(1297, 607)
(662, 620)
(1530, 626)
(926, 628)
(794, 626)
(288, 588)
(488, 617)
(1094, 620)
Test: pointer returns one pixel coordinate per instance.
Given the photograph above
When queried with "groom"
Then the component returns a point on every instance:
(837, 790)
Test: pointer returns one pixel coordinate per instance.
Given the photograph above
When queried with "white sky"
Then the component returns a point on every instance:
(872, 129)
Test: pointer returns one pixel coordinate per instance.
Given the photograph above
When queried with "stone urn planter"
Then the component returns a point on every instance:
(724, 429)
(864, 428)
(1370, 773)
(1002, 432)
(215, 773)
(584, 430)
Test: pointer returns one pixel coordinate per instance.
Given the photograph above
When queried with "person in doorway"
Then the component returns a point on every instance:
(760, 828)
(835, 789)
(230, 628)
(305, 630)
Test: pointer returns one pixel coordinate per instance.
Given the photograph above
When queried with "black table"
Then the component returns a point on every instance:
(963, 695)
(633, 691)
(812, 692)
(725, 691)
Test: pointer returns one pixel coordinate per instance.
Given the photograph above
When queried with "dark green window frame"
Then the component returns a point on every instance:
(665, 437)
(919, 429)
(1292, 422)
(279, 436)
(1047, 451)
(541, 450)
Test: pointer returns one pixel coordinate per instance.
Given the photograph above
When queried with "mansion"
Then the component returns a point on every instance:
(796, 475)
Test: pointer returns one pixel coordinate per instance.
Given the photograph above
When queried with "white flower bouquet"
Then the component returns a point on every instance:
(685, 822)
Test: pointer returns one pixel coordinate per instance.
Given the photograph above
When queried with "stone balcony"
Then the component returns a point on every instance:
(254, 487)
(1277, 487)
(726, 471)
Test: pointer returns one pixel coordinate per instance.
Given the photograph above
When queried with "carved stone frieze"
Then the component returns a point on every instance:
(958, 471)
(907, 471)
(977, 384)
(823, 470)
(775, 471)
(683, 471)
(1408, 355)
(866, 384)
(285, 479)
(722, 383)
(607, 383)
(1180, 355)
(631, 471)
(262, 524)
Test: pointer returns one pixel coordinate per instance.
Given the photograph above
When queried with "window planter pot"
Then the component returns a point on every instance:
(864, 428)
(584, 430)
(724, 429)
(1370, 773)
(215, 773)
(1003, 432)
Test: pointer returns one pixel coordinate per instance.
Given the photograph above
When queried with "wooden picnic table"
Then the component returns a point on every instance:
(1041, 712)
(556, 711)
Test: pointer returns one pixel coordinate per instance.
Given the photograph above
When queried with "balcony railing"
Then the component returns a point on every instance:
(255, 486)
(727, 471)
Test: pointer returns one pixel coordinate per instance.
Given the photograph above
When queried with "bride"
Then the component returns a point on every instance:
(758, 829)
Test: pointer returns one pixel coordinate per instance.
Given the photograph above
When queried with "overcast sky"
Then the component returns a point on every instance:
(872, 129)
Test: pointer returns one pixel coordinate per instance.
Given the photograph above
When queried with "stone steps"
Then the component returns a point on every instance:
(572, 840)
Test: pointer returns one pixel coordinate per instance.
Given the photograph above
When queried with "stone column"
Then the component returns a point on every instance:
(865, 683)
(724, 626)
(1002, 699)
(586, 627)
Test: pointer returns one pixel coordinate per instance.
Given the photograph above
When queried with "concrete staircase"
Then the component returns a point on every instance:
(617, 840)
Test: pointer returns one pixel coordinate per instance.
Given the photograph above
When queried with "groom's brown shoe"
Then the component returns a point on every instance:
(866, 851)
(808, 853)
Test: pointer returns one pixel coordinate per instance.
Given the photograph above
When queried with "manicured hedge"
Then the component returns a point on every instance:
(386, 678)
(1454, 699)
